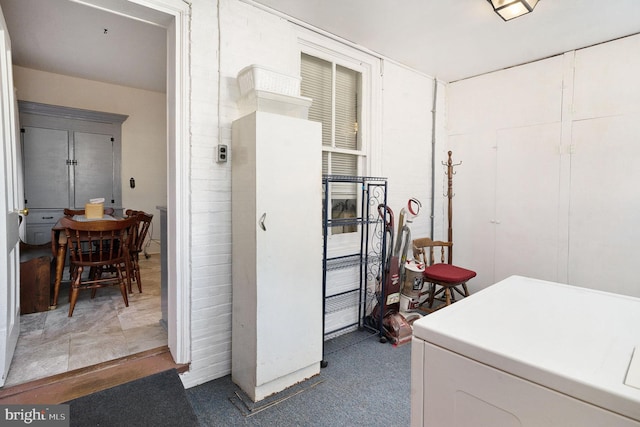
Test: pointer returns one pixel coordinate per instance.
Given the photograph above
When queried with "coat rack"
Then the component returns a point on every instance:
(450, 172)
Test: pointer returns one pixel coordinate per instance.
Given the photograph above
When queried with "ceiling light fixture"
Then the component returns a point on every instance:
(509, 9)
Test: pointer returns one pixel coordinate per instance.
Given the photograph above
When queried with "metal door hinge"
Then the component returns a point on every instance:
(71, 162)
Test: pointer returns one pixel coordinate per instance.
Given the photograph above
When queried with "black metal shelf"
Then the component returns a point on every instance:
(343, 262)
(344, 222)
(368, 260)
(346, 261)
(352, 178)
(341, 301)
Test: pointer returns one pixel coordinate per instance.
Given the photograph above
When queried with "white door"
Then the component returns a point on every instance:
(9, 204)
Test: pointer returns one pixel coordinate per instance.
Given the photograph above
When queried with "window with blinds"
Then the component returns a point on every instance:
(335, 91)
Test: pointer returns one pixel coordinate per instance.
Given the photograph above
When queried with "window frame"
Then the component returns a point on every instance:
(370, 125)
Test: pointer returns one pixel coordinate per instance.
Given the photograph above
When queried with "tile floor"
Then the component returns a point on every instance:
(101, 329)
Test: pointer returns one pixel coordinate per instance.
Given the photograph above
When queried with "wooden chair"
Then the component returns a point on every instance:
(143, 223)
(98, 246)
(443, 277)
(73, 212)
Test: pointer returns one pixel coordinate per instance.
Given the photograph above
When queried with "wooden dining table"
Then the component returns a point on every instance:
(59, 251)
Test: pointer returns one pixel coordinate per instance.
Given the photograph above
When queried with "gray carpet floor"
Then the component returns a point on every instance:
(366, 383)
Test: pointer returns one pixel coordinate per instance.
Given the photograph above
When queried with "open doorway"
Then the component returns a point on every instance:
(173, 18)
(101, 329)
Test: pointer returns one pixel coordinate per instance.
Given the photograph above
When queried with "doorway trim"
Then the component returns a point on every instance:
(175, 17)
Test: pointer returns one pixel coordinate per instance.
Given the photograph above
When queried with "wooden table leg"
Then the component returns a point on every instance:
(60, 260)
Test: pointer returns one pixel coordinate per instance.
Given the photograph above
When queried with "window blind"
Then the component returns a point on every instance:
(317, 85)
(334, 91)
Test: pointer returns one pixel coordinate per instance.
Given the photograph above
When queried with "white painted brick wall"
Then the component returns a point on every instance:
(248, 36)
(251, 36)
(210, 209)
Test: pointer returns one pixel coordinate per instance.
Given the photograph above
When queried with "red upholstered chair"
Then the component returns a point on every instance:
(444, 278)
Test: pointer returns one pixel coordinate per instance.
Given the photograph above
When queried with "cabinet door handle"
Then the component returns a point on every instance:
(261, 221)
(47, 217)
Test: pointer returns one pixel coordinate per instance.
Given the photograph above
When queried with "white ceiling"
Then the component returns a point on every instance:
(68, 38)
(447, 39)
(455, 39)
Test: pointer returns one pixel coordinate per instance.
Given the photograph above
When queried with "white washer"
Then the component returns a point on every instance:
(527, 352)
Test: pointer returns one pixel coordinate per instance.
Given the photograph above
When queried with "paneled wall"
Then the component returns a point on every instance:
(548, 186)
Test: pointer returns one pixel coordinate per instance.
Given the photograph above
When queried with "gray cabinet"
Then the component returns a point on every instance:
(69, 156)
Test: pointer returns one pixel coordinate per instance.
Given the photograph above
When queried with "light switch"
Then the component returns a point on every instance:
(222, 153)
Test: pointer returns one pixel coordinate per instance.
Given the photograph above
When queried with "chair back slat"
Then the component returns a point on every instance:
(444, 278)
(98, 242)
(143, 221)
(101, 248)
(424, 250)
(143, 225)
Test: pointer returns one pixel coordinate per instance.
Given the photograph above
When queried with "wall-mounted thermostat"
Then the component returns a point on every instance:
(222, 153)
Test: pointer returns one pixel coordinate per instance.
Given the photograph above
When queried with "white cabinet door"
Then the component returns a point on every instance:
(276, 251)
(289, 257)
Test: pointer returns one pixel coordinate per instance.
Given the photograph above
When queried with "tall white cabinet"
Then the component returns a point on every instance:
(277, 252)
